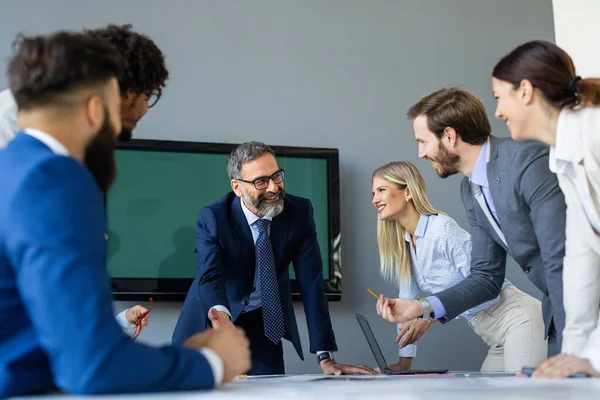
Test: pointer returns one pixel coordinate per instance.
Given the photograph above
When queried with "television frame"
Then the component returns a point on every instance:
(176, 289)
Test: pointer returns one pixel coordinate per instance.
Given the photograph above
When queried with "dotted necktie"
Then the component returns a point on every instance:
(269, 290)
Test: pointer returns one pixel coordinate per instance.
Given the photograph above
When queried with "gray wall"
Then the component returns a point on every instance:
(325, 74)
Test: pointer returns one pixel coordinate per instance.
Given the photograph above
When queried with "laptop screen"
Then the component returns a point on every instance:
(364, 325)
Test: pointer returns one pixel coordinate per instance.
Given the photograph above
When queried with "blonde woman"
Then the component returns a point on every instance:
(424, 250)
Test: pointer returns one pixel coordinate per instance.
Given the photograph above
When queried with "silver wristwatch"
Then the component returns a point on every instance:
(426, 308)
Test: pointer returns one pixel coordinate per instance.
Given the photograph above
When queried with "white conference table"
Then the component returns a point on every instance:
(378, 387)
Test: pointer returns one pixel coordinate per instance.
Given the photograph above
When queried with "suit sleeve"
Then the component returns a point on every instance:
(488, 263)
(547, 210)
(581, 279)
(308, 266)
(58, 255)
(209, 261)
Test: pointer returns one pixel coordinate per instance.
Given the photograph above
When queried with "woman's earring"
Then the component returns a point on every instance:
(407, 199)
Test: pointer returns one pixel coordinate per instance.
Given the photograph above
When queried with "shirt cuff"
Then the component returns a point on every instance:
(408, 351)
(215, 362)
(223, 309)
(122, 319)
(439, 311)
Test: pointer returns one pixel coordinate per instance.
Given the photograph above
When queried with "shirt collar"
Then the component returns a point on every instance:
(421, 228)
(50, 141)
(250, 216)
(561, 146)
(479, 176)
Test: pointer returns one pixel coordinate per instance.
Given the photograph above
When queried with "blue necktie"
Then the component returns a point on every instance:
(269, 290)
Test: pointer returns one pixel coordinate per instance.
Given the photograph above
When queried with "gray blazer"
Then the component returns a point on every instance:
(532, 213)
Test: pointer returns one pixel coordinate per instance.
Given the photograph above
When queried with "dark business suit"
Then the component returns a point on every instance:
(226, 262)
(532, 215)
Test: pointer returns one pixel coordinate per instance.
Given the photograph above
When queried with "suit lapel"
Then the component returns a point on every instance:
(494, 180)
(479, 197)
(243, 234)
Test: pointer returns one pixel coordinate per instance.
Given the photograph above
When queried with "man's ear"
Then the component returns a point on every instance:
(94, 112)
(236, 186)
(450, 136)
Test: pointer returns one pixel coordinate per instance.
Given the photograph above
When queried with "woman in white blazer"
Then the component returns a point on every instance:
(540, 97)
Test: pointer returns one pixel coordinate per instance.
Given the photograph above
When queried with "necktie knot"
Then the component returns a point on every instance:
(263, 225)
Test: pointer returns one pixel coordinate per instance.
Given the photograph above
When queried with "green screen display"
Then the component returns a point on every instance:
(154, 204)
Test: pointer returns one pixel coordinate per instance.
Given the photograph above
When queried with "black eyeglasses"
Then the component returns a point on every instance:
(152, 99)
(262, 182)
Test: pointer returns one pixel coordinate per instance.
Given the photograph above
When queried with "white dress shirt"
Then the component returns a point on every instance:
(8, 117)
(441, 260)
(561, 162)
(215, 362)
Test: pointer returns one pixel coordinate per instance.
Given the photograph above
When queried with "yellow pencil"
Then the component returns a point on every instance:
(241, 377)
(373, 293)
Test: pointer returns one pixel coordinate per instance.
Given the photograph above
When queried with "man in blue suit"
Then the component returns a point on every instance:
(141, 81)
(57, 328)
(245, 243)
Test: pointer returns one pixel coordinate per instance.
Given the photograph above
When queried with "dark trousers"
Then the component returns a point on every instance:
(267, 358)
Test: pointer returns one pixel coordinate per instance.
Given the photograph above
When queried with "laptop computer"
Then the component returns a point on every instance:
(380, 359)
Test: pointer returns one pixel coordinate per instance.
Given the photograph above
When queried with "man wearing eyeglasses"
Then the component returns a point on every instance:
(141, 82)
(245, 242)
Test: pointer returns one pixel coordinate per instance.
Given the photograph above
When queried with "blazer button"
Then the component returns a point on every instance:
(497, 180)
(527, 269)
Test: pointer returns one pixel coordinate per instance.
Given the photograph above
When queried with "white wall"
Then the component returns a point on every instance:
(578, 33)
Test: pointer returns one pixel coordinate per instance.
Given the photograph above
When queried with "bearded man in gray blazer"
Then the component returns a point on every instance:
(513, 203)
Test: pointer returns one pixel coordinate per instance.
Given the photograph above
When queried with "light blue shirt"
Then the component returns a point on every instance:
(442, 259)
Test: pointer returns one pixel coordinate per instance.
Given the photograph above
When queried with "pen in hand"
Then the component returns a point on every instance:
(377, 297)
(373, 293)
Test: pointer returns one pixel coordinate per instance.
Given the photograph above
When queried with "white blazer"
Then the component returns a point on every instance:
(581, 269)
(8, 117)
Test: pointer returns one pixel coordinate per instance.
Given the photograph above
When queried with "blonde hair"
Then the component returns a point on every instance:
(394, 252)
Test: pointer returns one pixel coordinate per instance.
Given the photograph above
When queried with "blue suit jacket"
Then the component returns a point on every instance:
(57, 327)
(225, 258)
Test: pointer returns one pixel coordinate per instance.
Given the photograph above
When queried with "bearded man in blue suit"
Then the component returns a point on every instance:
(245, 242)
(57, 329)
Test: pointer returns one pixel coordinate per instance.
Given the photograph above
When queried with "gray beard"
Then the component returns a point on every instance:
(270, 210)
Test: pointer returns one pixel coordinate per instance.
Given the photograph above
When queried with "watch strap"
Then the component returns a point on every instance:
(426, 308)
(326, 355)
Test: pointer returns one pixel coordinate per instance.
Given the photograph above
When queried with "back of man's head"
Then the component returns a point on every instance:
(457, 109)
(144, 71)
(56, 70)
